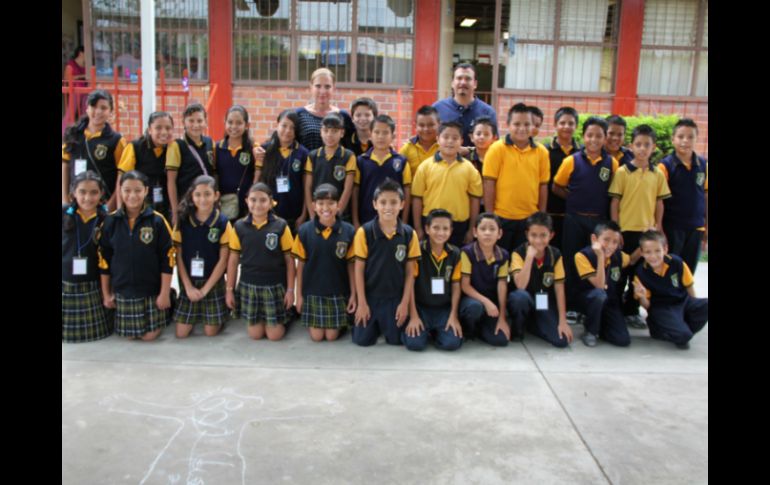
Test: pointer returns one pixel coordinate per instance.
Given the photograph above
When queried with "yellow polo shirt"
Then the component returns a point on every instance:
(638, 190)
(415, 153)
(447, 186)
(518, 175)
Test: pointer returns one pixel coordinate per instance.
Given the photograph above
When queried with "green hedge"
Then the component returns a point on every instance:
(663, 126)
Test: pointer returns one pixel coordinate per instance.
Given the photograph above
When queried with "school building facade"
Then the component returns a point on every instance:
(629, 57)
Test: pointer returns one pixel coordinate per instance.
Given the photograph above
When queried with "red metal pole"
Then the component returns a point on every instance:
(162, 89)
(71, 88)
(115, 97)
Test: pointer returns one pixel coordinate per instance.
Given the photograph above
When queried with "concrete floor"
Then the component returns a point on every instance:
(228, 410)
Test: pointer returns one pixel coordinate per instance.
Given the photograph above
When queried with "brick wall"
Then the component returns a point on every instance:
(264, 103)
(698, 111)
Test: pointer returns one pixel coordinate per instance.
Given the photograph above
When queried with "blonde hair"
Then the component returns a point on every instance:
(322, 71)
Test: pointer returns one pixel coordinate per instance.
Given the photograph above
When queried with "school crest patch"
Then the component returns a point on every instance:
(342, 249)
(448, 274)
(146, 235)
(547, 280)
(244, 159)
(400, 252)
(271, 241)
(100, 152)
(615, 273)
(339, 173)
(675, 280)
(397, 165)
(213, 235)
(604, 174)
(700, 179)
(296, 165)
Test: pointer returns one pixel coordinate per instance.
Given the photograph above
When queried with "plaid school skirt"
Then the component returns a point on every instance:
(83, 316)
(258, 304)
(211, 310)
(325, 312)
(137, 316)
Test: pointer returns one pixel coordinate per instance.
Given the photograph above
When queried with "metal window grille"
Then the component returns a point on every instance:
(181, 37)
(368, 41)
(674, 57)
(564, 45)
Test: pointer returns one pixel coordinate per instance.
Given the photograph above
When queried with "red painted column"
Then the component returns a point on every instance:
(220, 63)
(427, 37)
(629, 54)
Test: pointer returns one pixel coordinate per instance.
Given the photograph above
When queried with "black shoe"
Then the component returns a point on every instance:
(683, 346)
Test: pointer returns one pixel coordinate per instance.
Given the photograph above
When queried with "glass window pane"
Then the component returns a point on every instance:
(386, 62)
(181, 37)
(397, 17)
(530, 20)
(706, 28)
(264, 15)
(333, 16)
(582, 68)
(665, 72)
(584, 20)
(324, 51)
(262, 57)
(670, 22)
(528, 66)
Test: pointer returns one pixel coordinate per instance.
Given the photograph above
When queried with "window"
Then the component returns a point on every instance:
(561, 45)
(366, 41)
(674, 57)
(181, 37)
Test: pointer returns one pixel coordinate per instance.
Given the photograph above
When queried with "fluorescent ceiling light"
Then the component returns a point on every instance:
(468, 22)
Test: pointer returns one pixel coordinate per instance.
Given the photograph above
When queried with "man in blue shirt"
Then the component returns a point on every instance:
(464, 106)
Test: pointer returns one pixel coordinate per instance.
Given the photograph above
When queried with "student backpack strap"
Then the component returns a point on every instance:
(198, 158)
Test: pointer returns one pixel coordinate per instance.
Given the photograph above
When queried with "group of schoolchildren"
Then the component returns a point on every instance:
(506, 235)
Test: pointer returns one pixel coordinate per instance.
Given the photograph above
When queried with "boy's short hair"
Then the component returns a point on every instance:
(389, 185)
(450, 124)
(484, 120)
(364, 101)
(333, 120)
(326, 192)
(595, 120)
(566, 110)
(689, 122)
(428, 110)
(606, 226)
(616, 120)
(539, 219)
(644, 130)
(386, 120)
(653, 236)
(535, 111)
(437, 214)
(489, 215)
(517, 108)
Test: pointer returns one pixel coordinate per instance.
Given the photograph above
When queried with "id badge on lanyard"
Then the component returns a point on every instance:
(79, 266)
(157, 195)
(80, 166)
(437, 286)
(197, 266)
(282, 184)
(541, 301)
